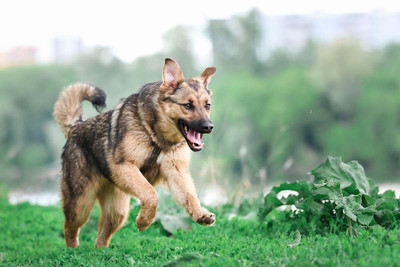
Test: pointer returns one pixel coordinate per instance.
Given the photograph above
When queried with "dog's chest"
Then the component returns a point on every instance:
(152, 173)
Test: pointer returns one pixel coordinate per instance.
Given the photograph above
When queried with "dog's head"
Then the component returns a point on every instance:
(187, 103)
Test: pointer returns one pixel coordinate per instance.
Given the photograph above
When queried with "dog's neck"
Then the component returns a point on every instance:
(160, 136)
(159, 129)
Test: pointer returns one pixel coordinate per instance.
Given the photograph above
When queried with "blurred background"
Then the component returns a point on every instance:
(295, 82)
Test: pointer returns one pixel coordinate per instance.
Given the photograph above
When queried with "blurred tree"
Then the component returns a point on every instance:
(278, 61)
(267, 119)
(338, 71)
(373, 138)
(250, 33)
(281, 59)
(103, 69)
(24, 112)
(281, 109)
(236, 42)
(179, 45)
(307, 55)
(222, 38)
(267, 127)
(148, 69)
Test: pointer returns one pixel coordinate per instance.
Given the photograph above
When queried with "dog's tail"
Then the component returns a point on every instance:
(68, 109)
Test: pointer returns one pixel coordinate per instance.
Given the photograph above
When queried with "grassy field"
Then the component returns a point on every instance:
(32, 236)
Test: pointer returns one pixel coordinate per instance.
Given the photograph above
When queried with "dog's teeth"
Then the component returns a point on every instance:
(186, 129)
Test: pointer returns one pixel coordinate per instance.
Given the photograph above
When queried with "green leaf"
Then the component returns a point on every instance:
(368, 200)
(271, 202)
(365, 215)
(389, 194)
(351, 175)
(386, 204)
(171, 216)
(387, 218)
(302, 187)
(289, 200)
(340, 190)
(309, 206)
(321, 193)
(173, 222)
(186, 258)
(296, 240)
(352, 208)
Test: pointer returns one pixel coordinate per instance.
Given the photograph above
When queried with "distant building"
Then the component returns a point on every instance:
(292, 32)
(19, 55)
(67, 48)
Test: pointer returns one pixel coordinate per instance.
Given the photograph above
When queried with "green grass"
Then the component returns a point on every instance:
(32, 236)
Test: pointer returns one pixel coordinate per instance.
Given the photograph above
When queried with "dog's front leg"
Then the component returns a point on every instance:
(182, 190)
(131, 180)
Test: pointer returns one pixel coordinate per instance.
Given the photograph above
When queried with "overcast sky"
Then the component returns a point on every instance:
(135, 28)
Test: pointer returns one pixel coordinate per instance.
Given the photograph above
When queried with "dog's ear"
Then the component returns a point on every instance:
(172, 75)
(207, 74)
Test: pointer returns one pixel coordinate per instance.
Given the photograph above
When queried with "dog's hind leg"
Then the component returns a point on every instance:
(77, 211)
(114, 204)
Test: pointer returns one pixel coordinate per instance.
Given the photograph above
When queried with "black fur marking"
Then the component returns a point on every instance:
(109, 131)
(119, 127)
(75, 169)
(66, 173)
(96, 158)
(169, 99)
(92, 146)
(99, 99)
(145, 87)
(121, 160)
(178, 88)
(152, 121)
(193, 84)
(151, 160)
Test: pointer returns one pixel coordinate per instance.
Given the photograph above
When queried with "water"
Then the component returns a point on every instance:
(52, 198)
(34, 198)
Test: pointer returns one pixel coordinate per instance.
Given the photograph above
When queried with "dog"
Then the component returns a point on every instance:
(144, 141)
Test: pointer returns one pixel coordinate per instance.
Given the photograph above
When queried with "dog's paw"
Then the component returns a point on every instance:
(207, 219)
(142, 224)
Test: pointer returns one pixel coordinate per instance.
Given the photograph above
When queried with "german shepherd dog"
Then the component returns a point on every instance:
(144, 141)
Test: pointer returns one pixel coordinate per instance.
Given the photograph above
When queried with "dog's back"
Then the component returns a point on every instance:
(85, 144)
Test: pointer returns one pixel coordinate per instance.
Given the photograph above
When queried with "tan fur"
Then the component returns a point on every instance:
(175, 166)
(114, 204)
(104, 156)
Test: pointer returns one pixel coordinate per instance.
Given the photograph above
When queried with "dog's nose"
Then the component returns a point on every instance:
(207, 127)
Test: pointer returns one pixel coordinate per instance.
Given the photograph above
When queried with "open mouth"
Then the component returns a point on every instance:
(192, 137)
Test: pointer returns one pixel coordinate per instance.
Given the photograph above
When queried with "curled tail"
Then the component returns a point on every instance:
(68, 109)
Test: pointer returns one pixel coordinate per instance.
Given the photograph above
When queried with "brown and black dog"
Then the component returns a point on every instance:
(144, 141)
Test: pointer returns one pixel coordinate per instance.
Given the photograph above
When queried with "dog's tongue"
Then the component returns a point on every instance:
(194, 137)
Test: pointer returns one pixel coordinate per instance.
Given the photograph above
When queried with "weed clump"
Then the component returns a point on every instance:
(340, 198)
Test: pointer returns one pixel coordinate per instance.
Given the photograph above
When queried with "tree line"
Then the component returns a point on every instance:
(275, 118)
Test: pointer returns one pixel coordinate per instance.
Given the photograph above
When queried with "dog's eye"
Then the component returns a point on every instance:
(208, 106)
(188, 106)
